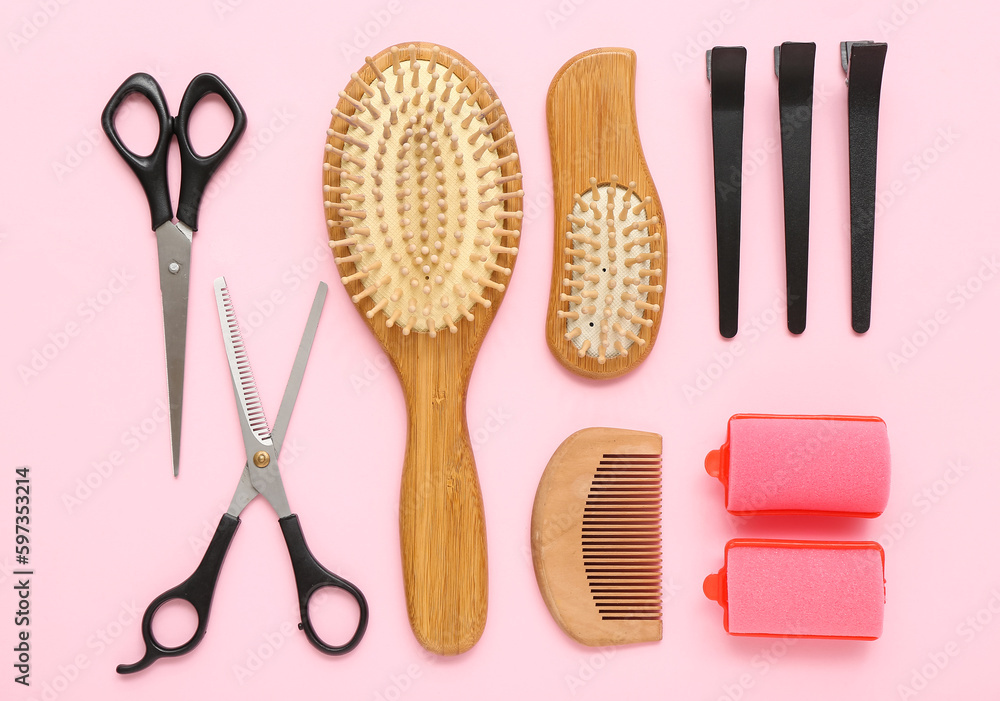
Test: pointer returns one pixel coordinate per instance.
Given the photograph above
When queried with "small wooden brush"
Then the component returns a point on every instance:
(595, 536)
(610, 257)
(423, 200)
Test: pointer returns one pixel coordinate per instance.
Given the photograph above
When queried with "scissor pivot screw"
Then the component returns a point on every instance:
(261, 458)
(174, 267)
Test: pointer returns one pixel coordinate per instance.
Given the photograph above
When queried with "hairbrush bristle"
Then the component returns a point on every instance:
(425, 198)
(614, 265)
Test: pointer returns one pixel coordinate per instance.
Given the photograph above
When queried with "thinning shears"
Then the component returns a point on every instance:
(173, 238)
(260, 476)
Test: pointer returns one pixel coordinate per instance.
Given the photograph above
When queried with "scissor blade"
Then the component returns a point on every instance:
(245, 493)
(253, 422)
(173, 246)
(298, 369)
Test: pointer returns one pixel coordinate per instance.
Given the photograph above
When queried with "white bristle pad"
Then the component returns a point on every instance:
(612, 269)
(422, 196)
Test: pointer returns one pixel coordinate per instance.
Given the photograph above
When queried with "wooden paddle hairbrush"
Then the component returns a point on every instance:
(595, 536)
(422, 193)
(610, 255)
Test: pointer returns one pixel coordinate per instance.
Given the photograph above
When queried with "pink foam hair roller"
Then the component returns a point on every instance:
(830, 465)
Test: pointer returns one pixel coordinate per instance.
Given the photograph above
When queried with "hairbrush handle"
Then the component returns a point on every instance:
(442, 526)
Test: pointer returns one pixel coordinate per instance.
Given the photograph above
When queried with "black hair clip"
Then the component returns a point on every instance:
(794, 65)
(727, 77)
(863, 62)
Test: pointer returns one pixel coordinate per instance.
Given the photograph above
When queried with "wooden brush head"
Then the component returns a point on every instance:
(595, 536)
(610, 256)
(423, 199)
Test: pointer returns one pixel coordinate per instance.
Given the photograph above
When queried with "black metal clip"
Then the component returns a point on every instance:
(863, 62)
(727, 77)
(794, 65)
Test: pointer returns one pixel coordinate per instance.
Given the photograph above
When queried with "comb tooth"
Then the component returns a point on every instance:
(621, 539)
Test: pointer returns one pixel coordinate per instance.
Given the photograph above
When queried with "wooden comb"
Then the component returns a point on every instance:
(595, 536)
(423, 199)
(610, 258)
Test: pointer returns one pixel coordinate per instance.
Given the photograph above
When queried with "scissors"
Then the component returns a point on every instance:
(260, 476)
(173, 238)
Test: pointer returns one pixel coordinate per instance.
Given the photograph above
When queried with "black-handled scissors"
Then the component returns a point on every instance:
(260, 476)
(173, 239)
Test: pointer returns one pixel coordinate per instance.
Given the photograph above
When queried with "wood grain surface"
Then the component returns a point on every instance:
(441, 520)
(593, 133)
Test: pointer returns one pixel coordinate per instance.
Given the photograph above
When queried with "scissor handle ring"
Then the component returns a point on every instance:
(310, 577)
(152, 168)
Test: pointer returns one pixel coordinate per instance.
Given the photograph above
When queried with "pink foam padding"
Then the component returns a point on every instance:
(808, 464)
(800, 591)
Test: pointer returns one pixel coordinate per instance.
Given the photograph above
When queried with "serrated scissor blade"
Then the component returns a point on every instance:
(173, 245)
(252, 419)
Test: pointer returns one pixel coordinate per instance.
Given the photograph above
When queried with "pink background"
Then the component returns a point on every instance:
(73, 216)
